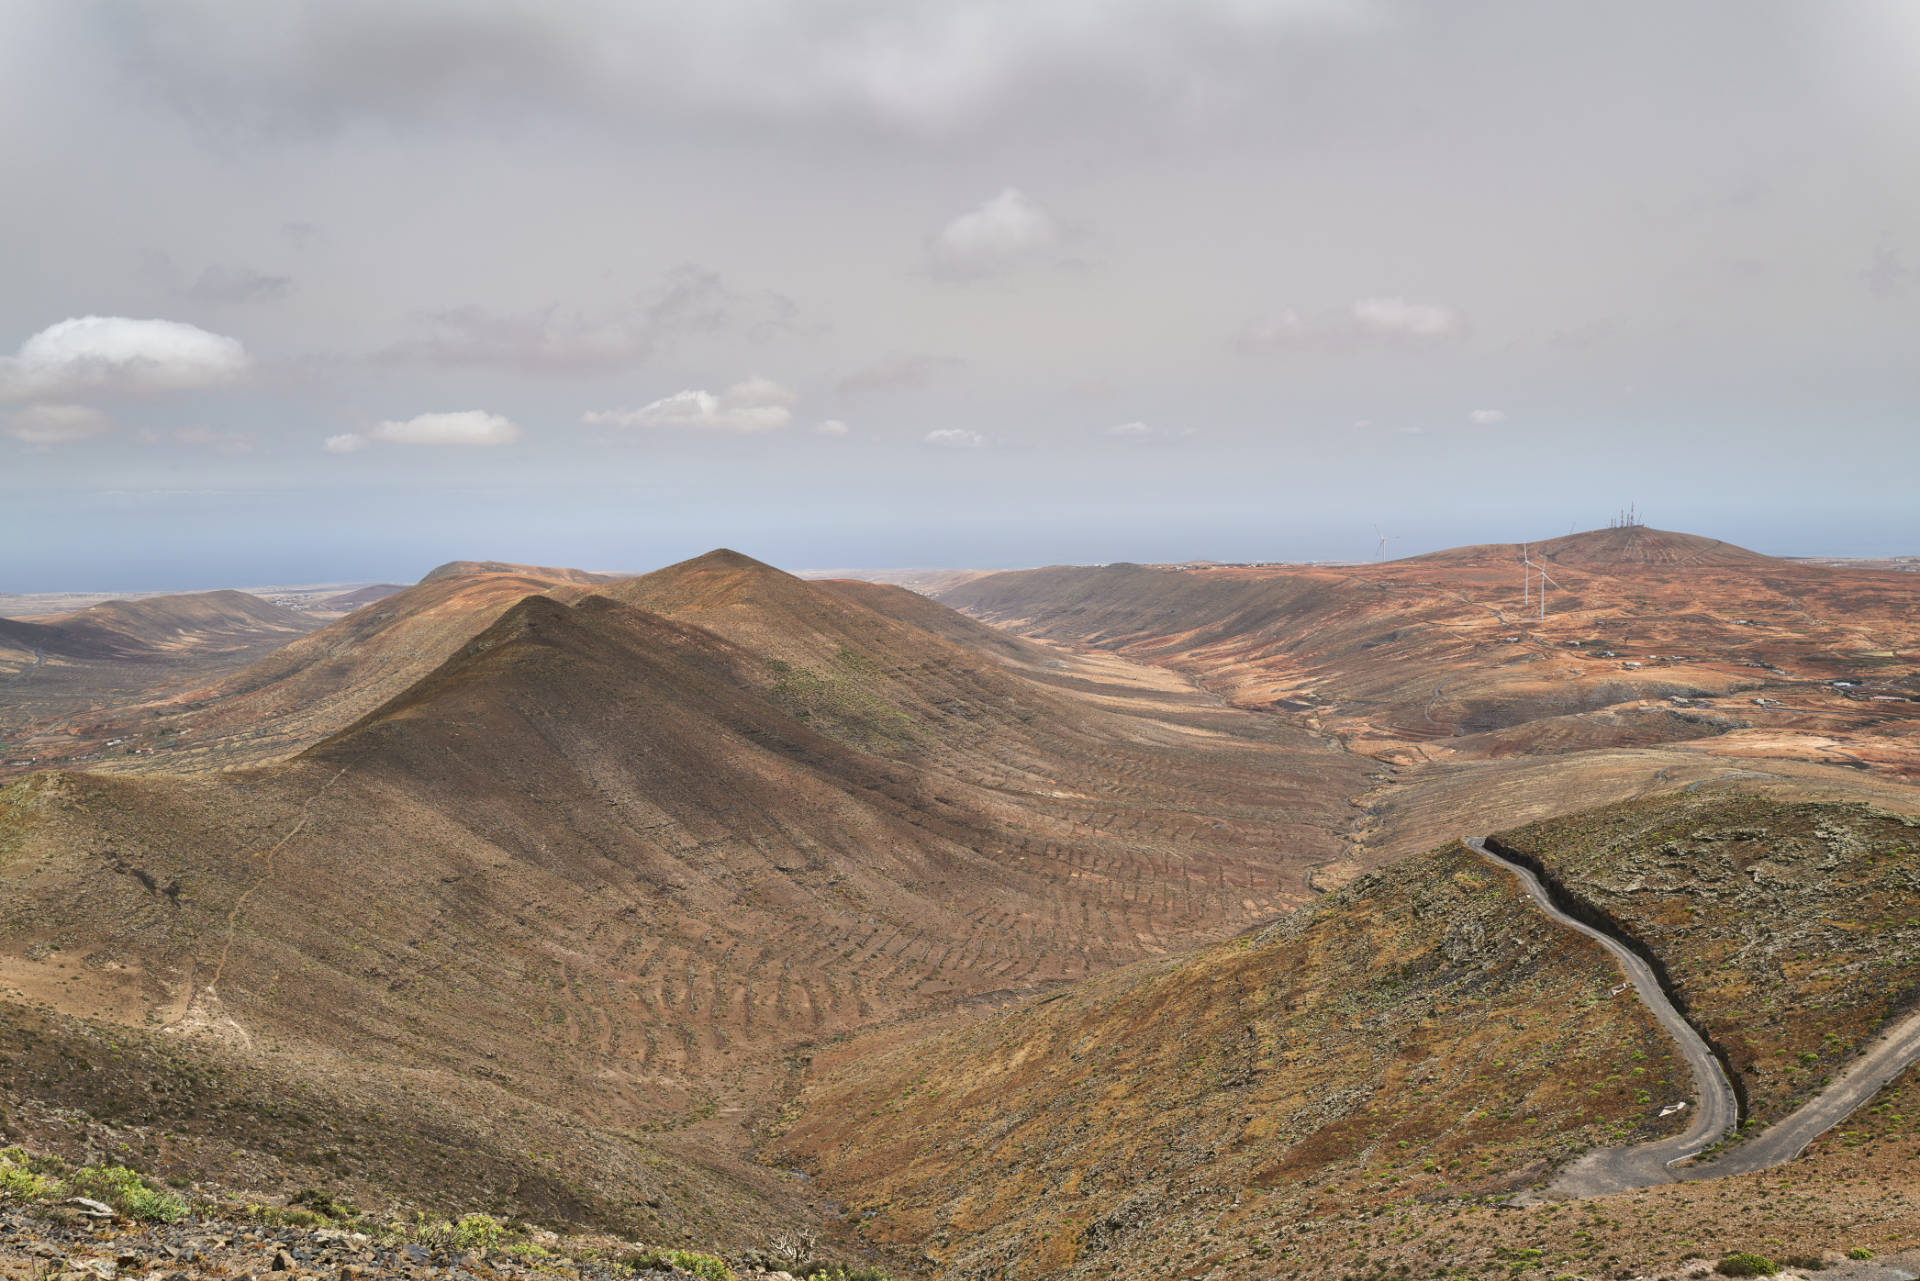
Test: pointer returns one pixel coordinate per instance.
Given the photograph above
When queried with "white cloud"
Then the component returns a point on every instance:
(833, 427)
(1142, 431)
(239, 285)
(954, 438)
(1487, 417)
(347, 443)
(758, 404)
(1367, 322)
(687, 302)
(113, 355)
(1272, 333)
(905, 372)
(1008, 231)
(462, 427)
(1399, 318)
(220, 442)
(923, 68)
(55, 424)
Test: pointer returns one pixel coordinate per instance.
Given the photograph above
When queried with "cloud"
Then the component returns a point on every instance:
(55, 424)
(1367, 322)
(1142, 431)
(116, 356)
(954, 438)
(220, 442)
(1487, 417)
(1273, 333)
(833, 427)
(896, 373)
(1398, 318)
(758, 404)
(238, 285)
(689, 301)
(1007, 232)
(307, 66)
(460, 427)
(1888, 276)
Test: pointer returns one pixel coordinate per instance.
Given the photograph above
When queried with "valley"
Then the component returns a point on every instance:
(1109, 921)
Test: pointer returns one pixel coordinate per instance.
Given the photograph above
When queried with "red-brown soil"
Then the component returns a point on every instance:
(619, 864)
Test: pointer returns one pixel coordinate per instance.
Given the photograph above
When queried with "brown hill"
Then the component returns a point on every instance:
(360, 596)
(590, 878)
(1616, 549)
(545, 573)
(157, 625)
(323, 682)
(1449, 657)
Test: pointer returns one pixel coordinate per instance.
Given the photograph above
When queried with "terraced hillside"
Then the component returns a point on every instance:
(1791, 931)
(1337, 1094)
(1418, 1038)
(593, 877)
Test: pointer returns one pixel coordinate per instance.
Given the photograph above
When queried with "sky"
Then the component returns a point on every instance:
(334, 290)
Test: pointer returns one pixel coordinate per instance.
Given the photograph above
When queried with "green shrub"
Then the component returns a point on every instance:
(705, 1266)
(476, 1232)
(127, 1192)
(1745, 1264)
(17, 1183)
(1860, 1252)
(324, 1204)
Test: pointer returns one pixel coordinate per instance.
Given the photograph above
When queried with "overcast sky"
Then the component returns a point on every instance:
(339, 289)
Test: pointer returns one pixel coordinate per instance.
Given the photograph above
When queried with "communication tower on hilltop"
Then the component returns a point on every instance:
(1628, 517)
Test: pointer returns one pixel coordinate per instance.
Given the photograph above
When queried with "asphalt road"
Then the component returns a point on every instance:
(1607, 1170)
(1714, 1108)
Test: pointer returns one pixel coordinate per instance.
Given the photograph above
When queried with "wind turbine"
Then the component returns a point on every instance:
(1380, 552)
(1526, 578)
(1544, 580)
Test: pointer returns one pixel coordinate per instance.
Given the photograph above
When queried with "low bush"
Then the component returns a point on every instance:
(1745, 1264)
(19, 1182)
(127, 1192)
(705, 1266)
(476, 1232)
(1860, 1252)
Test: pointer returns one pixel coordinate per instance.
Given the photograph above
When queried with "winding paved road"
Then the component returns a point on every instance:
(1607, 1170)
(1715, 1110)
